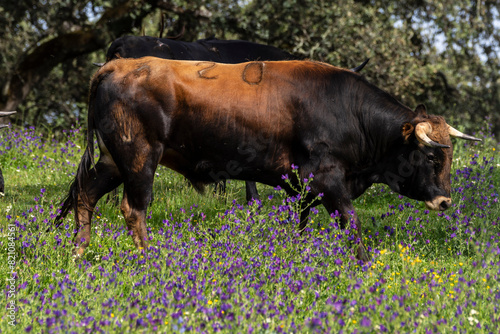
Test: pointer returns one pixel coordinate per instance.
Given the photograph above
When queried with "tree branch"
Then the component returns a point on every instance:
(37, 64)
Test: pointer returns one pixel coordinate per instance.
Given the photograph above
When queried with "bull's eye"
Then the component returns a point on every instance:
(434, 160)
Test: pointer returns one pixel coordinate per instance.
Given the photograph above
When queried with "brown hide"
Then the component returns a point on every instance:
(230, 102)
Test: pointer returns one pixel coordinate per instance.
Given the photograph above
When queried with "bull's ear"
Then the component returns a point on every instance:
(406, 131)
(420, 110)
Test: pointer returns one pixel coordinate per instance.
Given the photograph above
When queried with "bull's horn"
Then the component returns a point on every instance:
(457, 134)
(98, 64)
(6, 113)
(422, 130)
(360, 67)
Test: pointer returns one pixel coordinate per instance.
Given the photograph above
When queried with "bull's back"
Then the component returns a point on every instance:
(143, 46)
(211, 49)
(237, 51)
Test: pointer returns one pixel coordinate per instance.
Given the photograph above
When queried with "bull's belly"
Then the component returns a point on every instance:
(203, 168)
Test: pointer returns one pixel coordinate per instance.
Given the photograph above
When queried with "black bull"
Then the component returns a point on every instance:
(198, 118)
(210, 49)
(3, 114)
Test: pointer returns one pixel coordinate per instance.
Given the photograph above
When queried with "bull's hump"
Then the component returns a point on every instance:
(124, 66)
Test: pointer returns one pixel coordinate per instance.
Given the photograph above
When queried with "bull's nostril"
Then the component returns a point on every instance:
(440, 203)
(445, 204)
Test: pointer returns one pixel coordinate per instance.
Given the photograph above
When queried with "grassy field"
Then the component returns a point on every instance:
(217, 264)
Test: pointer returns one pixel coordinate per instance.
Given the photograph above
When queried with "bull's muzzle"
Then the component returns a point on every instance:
(439, 203)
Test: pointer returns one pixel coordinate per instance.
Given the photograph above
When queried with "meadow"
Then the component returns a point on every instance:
(218, 264)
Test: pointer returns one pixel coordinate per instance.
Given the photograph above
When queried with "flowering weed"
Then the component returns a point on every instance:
(222, 265)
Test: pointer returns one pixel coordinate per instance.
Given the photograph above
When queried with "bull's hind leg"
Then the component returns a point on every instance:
(134, 207)
(100, 180)
(137, 193)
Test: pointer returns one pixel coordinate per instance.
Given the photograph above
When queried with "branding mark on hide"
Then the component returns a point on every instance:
(203, 73)
(252, 74)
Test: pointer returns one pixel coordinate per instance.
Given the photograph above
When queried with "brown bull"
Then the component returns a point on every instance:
(252, 121)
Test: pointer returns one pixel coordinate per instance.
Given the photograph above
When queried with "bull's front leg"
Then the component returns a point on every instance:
(349, 219)
(336, 198)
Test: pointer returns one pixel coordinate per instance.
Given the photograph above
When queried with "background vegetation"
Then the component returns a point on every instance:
(441, 53)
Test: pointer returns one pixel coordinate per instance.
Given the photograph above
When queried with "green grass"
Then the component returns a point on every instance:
(217, 264)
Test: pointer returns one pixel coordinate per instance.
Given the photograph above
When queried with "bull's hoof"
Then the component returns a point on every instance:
(78, 252)
(362, 253)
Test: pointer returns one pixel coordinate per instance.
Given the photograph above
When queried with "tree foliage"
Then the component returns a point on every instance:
(440, 53)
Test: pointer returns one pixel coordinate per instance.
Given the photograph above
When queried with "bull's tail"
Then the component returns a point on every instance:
(71, 200)
(75, 191)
